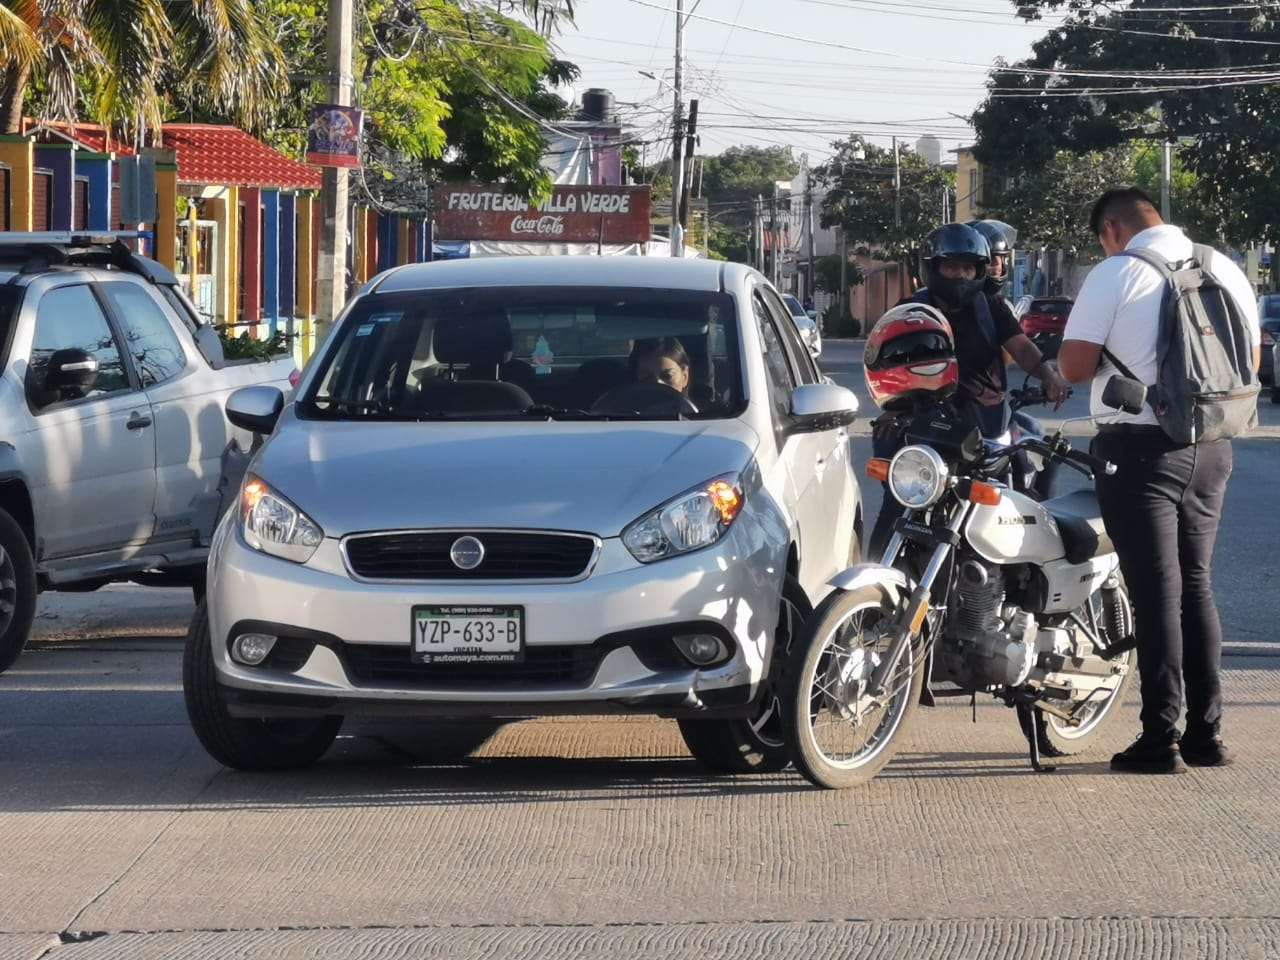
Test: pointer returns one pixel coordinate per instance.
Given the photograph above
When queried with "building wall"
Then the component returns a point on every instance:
(969, 186)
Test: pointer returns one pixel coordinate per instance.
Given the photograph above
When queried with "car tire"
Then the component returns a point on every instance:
(753, 744)
(239, 742)
(17, 590)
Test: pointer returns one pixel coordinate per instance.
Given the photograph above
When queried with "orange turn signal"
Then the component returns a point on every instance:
(878, 469)
(984, 493)
(254, 491)
(726, 499)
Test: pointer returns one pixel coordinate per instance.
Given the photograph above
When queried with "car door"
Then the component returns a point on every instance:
(191, 430)
(831, 498)
(92, 474)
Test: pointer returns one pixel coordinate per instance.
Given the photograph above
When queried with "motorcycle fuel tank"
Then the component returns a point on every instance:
(1015, 530)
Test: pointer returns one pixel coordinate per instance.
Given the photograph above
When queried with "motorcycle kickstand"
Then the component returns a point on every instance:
(1033, 721)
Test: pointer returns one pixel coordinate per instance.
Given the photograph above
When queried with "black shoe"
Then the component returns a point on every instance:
(1149, 754)
(1203, 750)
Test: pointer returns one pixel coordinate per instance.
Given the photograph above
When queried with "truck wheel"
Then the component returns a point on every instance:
(240, 742)
(17, 590)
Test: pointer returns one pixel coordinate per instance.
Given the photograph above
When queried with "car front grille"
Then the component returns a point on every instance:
(541, 665)
(508, 555)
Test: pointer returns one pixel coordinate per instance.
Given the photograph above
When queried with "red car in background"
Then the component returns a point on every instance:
(1043, 319)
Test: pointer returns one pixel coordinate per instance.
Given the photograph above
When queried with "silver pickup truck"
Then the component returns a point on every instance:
(116, 459)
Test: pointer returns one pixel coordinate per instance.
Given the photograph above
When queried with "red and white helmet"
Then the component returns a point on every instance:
(910, 357)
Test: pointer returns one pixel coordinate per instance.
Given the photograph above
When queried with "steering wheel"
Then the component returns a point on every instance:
(645, 398)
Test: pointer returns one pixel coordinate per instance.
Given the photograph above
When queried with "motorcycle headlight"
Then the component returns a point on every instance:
(917, 477)
(273, 525)
(691, 521)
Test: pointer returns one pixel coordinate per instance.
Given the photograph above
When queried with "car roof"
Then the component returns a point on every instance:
(531, 271)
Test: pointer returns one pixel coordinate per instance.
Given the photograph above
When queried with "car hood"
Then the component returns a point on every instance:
(590, 477)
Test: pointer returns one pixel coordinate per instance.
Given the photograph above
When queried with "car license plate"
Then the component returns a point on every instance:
(467, 634)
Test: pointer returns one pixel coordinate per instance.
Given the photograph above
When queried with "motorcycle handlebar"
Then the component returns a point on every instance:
(1062, 452)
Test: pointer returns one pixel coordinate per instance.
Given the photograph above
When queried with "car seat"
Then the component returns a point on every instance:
(595, 377)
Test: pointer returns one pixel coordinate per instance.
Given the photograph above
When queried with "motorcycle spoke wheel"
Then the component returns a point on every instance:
(841, 734)
(1061, 738)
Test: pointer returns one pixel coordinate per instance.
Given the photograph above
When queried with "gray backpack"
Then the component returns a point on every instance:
(1206, 387)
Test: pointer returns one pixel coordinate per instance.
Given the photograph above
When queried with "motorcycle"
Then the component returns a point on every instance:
(981, 589)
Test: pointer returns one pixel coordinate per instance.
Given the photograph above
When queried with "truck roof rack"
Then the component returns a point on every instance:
(70, 238)
(41, 249)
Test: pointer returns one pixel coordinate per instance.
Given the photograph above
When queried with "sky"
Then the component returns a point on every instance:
(798, 73)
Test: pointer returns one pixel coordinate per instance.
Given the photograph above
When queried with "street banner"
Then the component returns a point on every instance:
(572, 214)
(333, 135)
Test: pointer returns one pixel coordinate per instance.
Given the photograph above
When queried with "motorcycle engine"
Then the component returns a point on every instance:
(988, 642)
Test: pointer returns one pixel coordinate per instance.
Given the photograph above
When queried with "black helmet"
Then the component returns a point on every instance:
(955, 241)
(1000, 239)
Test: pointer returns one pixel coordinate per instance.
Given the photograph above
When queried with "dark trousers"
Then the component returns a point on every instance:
(1161, 510)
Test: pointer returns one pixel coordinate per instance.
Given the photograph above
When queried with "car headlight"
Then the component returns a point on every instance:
(691, 521)
(273, 525)
(917, 477)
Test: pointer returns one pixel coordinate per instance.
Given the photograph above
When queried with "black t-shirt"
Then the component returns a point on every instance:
(981, 360)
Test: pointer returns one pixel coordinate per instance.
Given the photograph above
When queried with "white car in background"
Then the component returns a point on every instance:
(480, 502)
(807, 324)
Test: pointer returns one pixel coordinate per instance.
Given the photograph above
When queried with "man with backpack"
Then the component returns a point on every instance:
(1192, 337)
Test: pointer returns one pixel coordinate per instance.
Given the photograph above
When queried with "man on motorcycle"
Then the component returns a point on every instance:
(1000, 239)
(984, 329)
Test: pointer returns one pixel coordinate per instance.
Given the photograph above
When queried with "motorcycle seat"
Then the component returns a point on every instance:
(1080, 522)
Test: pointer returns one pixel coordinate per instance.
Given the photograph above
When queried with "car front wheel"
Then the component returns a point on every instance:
(17, 590)
(753, 744)
(244, 743)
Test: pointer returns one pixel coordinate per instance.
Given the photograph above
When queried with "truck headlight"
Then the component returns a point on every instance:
(691, 521)
(917, 477)
(273, 525)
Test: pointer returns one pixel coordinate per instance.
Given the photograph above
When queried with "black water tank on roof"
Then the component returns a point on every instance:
(598, 104)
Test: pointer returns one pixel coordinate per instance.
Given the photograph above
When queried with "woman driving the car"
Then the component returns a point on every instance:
(661, 360)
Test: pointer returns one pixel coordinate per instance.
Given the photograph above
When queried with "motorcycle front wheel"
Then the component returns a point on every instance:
(839, 734)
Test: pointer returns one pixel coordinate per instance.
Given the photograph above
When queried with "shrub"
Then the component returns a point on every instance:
(245, 347)
(837, 323)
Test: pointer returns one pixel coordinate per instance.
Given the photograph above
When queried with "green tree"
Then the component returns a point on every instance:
(1200, 74)
(1051, 205)
(878, 219)
(115, 61)
(731, 182)
(451, 90)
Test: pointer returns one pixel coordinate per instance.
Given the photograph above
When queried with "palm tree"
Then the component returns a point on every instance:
(116, 56)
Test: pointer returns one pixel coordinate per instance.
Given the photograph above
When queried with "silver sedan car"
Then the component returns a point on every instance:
(516, 487)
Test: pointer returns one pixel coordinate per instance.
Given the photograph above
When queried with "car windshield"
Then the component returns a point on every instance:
(1050, 306)
(534, 353)
(1270, 307)
(794, 305)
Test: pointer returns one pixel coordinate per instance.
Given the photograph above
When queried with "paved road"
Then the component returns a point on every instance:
(600, 838)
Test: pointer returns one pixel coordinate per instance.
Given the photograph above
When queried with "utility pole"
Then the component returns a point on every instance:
(812, 286)
(331, 271)
(759, 224)
(843, 313)
(1166, 174)
(677, 164)
(897, 187)
(775, 268)
(691, 132)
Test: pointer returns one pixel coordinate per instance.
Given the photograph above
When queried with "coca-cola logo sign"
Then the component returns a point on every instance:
(571, 214)
(547, 226)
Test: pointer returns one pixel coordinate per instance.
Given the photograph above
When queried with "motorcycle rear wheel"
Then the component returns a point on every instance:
(1058, 738)
(839, 736)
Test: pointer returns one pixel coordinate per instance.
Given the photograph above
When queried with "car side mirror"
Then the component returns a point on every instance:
(1124, 393)
(70, 375)
(822, 406)
(255, 408)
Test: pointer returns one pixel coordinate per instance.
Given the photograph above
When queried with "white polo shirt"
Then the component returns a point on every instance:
(1119, 308)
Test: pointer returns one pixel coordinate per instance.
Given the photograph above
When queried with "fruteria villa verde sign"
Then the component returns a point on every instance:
(572, 214)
